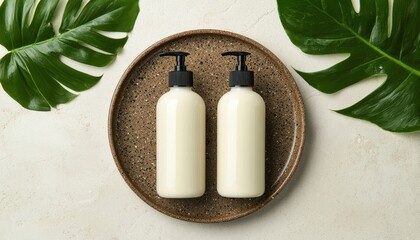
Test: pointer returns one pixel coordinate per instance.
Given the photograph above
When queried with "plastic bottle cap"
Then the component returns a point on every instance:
(180, 76)
(240, 76)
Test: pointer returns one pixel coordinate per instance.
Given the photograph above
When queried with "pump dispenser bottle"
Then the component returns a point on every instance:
(180, 136)
(241, 135)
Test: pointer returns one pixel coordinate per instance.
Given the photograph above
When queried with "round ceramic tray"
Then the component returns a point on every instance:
(132, 114)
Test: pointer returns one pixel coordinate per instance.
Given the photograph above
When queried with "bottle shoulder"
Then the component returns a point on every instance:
(184, 96)
(246, 97)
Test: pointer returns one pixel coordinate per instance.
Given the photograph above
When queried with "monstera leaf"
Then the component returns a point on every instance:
(333, 26)
(33, 72)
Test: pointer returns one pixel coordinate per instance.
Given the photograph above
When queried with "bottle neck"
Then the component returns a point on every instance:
(241, 88)
(178, 88)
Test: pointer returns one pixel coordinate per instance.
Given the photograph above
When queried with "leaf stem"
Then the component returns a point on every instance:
(38, 43)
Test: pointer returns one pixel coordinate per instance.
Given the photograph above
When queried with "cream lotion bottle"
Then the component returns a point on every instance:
(241, 136)
(180, 136)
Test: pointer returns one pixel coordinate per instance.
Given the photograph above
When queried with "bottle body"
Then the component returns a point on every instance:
(241, 144)
(180, 142)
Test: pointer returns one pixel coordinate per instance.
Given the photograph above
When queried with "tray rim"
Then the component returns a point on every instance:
(298, 146)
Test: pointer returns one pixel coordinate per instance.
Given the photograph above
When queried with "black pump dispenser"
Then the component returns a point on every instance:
(240, 76)
(180, 76)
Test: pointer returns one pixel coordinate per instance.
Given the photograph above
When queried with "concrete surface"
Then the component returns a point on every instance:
(58, 179)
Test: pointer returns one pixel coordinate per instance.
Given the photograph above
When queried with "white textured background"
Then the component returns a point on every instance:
(58, 179)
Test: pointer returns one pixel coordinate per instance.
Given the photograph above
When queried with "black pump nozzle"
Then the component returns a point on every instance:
(241, 58)
(240, 76)
(180, 59)
(180, 76)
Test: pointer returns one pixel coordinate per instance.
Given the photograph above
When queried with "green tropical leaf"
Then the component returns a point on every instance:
(333, 26)
(32, 72)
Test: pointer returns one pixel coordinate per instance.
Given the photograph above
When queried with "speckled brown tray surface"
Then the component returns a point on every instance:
(132, 126)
